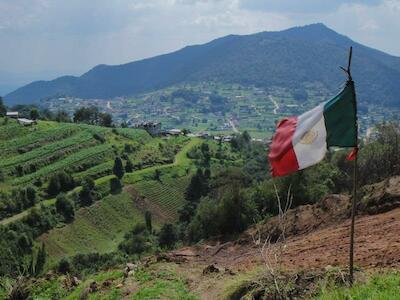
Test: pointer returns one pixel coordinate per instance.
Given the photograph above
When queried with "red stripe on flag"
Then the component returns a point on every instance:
(282, 157)
(353, 154)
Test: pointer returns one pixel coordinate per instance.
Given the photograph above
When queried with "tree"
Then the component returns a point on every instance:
(115, 185)
(85, 196)
(62, 116)
(3, 109)
(31, 195)
(129, 166)
(157, 175)
(34, 114)
(64, 266)
(40, 260)
(205, 150)
(105, 120)
(167, 236)
(137, 240)
(65, 207)
(60, 182)
(54, 186)
(147, 217)
(118, 168)
(197, 187)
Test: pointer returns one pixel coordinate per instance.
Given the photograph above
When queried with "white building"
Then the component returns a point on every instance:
(12, 114)
(26, 122)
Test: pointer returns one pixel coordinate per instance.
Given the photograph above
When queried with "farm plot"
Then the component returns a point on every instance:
(79, 161)
(34, 139)
(169, 194)
(39, 154)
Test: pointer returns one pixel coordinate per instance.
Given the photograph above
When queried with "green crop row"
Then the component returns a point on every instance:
(168, 194)
(138, 135)
(42, 152)
(97, 171)
(78, 161)
(36, 138)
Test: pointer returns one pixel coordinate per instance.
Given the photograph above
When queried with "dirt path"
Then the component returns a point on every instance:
(275, 104)
(377, 246)
(234, 128)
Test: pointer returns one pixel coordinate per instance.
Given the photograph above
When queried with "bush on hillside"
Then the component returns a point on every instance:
(167, 236)
(65, 207)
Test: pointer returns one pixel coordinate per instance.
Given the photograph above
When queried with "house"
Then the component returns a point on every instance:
(227, 138)
(12, 114)
(26, 122)
(153, 128)
(204, 135)
(175, 131)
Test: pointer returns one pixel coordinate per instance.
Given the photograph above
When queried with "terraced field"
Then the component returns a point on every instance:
(98, 228)
(167, 194)
(28, 154)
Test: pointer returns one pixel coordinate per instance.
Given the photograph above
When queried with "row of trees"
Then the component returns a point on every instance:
(88, 115)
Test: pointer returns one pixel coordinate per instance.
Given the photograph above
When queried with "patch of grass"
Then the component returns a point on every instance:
(48, 289)
(103, 293)
(161, 285)
(385, 286)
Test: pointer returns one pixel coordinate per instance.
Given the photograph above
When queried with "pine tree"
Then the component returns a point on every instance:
(40, 260)
(147, 217)
(31, 195)
(118, 168)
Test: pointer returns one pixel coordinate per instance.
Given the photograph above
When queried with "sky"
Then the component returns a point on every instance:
(43, 39)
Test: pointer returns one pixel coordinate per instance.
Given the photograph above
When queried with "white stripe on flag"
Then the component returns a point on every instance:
(309, 140)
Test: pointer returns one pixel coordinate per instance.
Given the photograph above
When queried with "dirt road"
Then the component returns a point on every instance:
(274, 103)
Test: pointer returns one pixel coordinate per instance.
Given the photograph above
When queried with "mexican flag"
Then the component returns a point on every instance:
(300, 142)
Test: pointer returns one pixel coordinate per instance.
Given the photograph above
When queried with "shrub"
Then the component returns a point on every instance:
(115, 185)
(118, 169)
(65, 207)
(64, 266)
(167, 236)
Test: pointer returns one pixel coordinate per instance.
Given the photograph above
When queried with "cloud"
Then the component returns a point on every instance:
(304, 6)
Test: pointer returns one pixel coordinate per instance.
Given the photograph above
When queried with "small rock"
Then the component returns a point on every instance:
(75, 281)
(93, 287)
(210, 269)
(131, 266)
(106, 283)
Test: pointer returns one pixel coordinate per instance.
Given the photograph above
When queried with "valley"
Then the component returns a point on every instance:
(214, 107)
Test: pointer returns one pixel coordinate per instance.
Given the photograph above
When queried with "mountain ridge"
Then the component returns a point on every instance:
(288, 58)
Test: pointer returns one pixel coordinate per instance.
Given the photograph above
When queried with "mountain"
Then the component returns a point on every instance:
(288, 58)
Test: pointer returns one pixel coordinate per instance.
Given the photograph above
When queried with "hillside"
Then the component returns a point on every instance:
(239, 270)
(265, 59)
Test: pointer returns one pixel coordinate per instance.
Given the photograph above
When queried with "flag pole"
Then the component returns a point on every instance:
(355, 176)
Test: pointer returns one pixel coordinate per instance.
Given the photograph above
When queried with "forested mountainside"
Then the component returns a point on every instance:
(290, 59)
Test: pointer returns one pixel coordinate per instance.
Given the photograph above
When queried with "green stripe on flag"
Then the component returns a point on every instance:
(340, 118)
